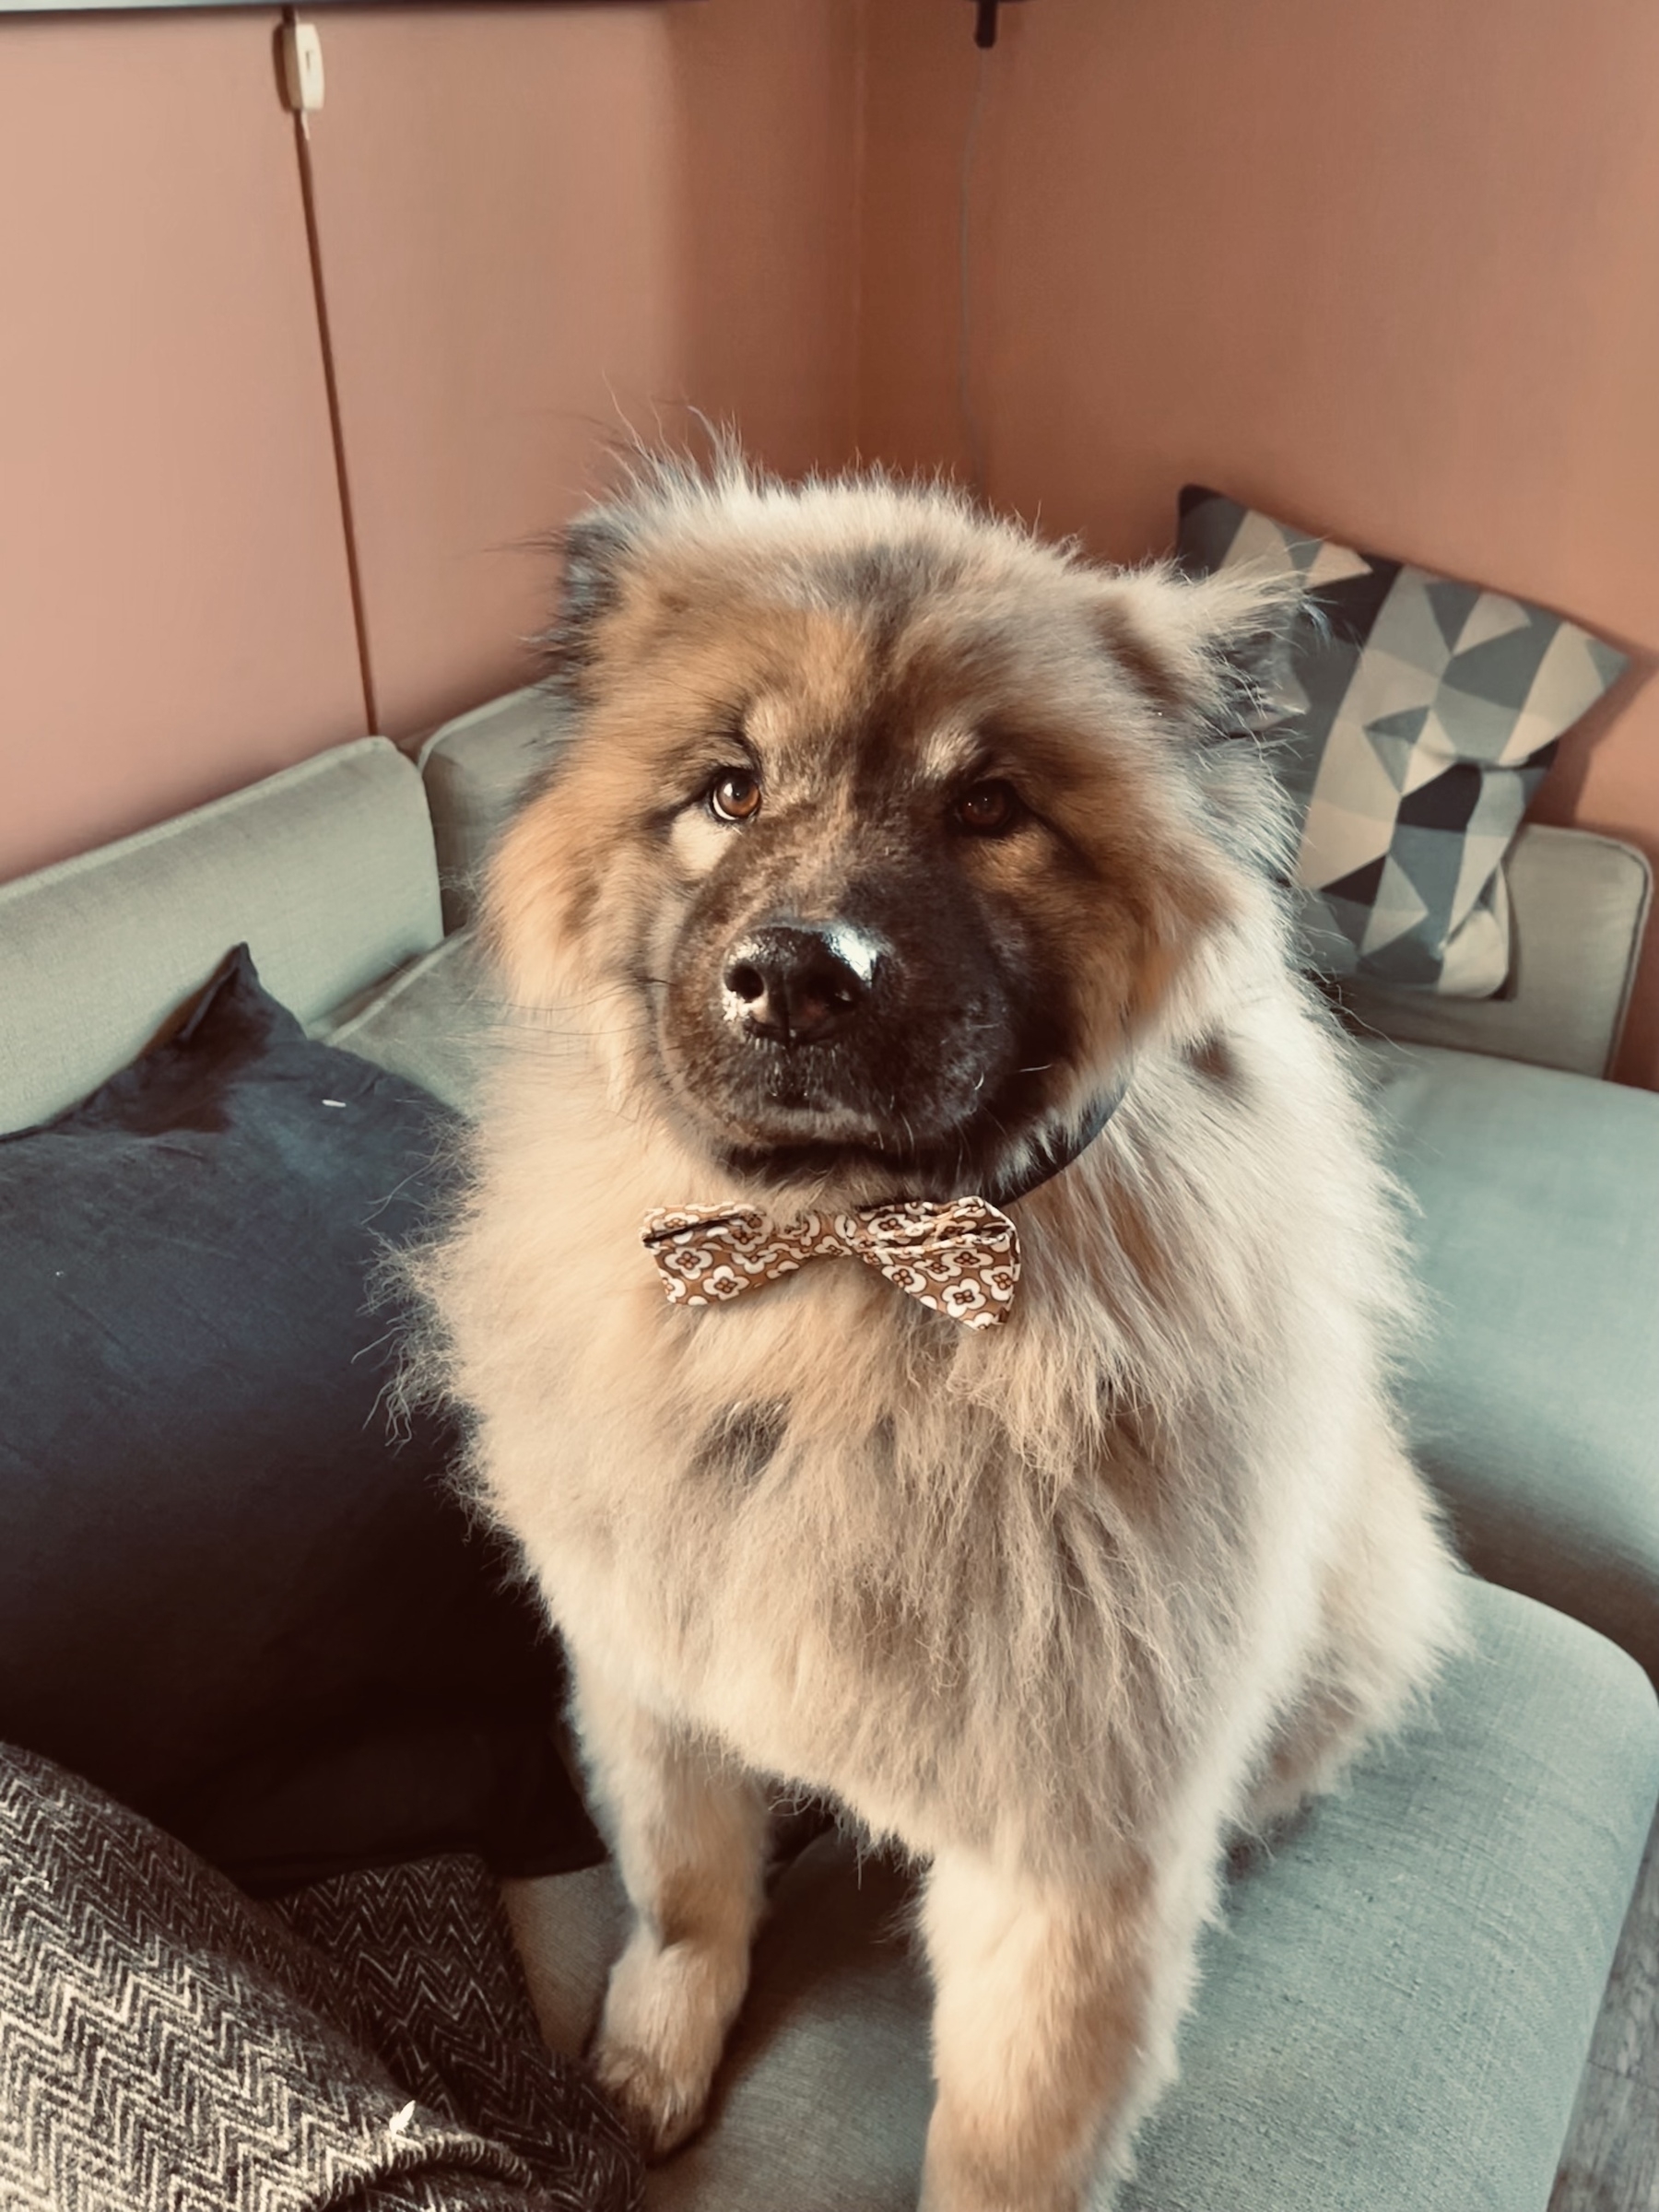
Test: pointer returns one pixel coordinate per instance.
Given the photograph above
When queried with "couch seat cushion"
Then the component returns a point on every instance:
(1392, 2014)
(1534, 1397)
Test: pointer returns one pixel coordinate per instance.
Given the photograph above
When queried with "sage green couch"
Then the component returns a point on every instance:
(1397, 2001)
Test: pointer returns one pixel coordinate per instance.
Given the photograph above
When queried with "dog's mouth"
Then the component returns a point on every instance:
(785, 1124)
(1001, 1163)
(865, 1173)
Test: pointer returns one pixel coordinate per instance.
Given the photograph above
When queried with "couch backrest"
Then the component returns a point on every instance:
(1579, 903)
(326, 871)
(478, 767)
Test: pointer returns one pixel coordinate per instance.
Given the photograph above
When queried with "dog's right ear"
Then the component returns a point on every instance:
(596, 548)
(1214, 650)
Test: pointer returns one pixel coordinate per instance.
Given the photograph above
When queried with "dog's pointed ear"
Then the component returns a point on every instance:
(595, 549)
(1213, 651)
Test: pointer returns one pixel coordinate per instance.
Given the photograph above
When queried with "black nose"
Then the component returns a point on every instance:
(793, 984)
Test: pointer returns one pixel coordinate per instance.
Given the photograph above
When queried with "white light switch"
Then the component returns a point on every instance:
(302, 67)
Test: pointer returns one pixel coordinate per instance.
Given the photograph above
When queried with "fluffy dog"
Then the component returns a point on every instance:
(897, 856)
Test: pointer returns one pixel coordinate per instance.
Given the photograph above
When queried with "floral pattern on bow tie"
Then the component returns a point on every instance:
(960, 1257)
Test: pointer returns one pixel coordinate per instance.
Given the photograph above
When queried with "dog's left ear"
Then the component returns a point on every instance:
(1213, 651)
(596, 548)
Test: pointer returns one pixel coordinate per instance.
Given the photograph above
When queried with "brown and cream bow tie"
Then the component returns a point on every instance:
(962, 1258)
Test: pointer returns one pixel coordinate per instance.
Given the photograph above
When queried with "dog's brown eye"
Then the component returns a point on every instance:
(735, 795)
(987, 807)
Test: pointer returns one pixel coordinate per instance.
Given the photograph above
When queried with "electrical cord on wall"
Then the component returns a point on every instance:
(971, 434)
(313, 243)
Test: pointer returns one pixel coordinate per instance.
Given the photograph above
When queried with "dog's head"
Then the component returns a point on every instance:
(883, 832)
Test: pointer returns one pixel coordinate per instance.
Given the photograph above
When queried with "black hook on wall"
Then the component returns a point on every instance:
(984, 22)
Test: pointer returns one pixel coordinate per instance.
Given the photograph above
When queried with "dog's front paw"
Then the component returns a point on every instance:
(661, 2108)
(666, 2012)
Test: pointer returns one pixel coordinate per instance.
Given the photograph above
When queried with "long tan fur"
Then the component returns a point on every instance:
(1057, 1606)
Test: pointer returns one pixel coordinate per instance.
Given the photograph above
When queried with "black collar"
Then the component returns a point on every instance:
(1056, 1153)
(1051, 1155)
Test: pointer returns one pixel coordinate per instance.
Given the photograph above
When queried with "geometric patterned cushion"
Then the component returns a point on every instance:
(1421, 715)
(165, 2041)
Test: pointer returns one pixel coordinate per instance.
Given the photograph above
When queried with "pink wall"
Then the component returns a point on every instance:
(1392, 271)
(494, 198)
(769, 140)
(538, 226)
(174, 615)
(545, 229)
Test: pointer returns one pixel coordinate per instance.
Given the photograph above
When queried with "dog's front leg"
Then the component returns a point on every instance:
(1052, 2022)
(689, 1835)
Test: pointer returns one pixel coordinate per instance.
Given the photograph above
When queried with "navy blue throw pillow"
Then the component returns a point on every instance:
(232, 1592)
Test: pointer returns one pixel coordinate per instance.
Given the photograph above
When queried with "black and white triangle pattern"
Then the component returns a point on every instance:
(166, 2046)
(1420, 717)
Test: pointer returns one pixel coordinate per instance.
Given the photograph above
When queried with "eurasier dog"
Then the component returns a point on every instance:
(896, 860)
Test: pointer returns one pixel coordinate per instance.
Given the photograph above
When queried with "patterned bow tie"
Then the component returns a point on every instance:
(962, 1258)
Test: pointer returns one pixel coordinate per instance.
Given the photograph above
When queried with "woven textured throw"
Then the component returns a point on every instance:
(961, 1258)
(165, 2042)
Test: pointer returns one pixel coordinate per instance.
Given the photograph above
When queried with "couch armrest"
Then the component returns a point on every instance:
(1578, 903)
(477, 769)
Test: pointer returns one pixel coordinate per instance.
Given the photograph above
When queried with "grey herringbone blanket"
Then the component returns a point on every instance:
(166, 2046)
